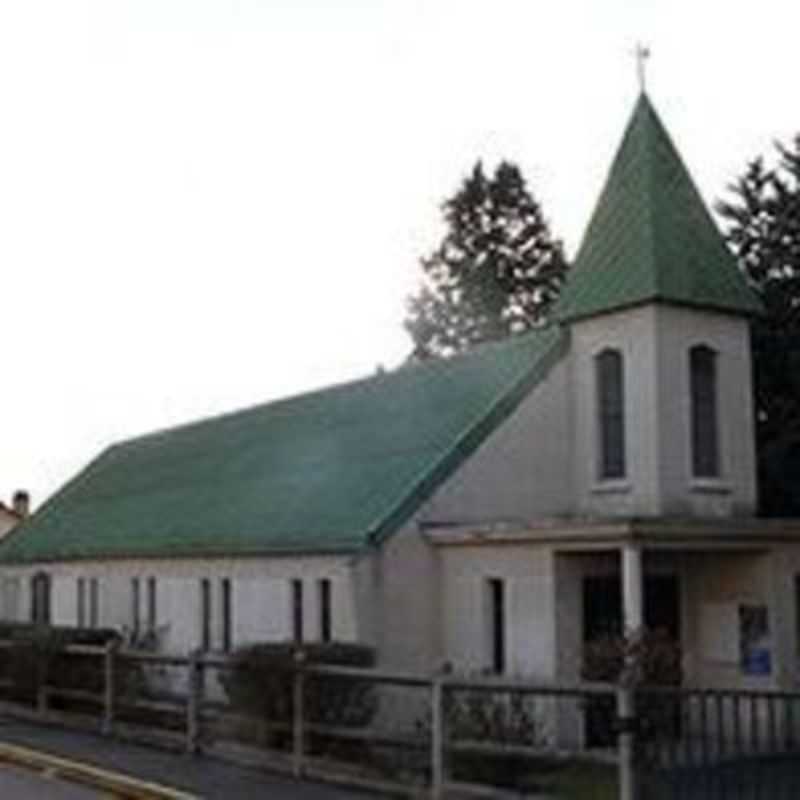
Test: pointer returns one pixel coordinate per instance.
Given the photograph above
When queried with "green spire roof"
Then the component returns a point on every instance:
(651, 237)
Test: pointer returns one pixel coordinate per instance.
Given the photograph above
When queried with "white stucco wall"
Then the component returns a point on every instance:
(522, 471)
(678, 330)
(64, 601)
(569, 615)
(407, 602)
(530, 600)
(655, 342)
(781, 577)
(261, 587)
(715, 586)
(633, 333)
(11, 600)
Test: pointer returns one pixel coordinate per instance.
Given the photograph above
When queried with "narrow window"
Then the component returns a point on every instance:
(81, 588)
(324, 586)
(205, 614)
(152, 609)
(135, 606)
(94, 603)
(297, 610)
(611, 414)
(227, 621)
(497, 624)
(40, 598)
(703, 388)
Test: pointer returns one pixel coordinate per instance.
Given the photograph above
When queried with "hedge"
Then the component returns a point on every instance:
(36, 657)
(259, 683)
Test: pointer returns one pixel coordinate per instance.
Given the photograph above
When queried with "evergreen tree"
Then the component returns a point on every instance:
(496, 272)
(763, 228)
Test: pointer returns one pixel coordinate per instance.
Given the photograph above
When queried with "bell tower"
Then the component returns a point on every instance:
(658, 315)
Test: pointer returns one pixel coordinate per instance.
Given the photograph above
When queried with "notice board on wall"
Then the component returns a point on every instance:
(736, 634)
(754, 640)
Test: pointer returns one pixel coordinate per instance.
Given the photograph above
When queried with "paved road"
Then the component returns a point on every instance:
(18, 784)
(205, 777)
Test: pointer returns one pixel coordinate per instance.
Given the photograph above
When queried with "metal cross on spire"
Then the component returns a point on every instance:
(642, 53)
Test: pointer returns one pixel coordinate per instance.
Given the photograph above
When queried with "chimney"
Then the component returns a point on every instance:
(21, 503)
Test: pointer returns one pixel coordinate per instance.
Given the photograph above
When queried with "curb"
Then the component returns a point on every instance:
(116, 783)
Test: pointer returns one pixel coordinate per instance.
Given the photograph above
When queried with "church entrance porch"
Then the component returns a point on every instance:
(720, 608)
(525, 602)
(602, 605)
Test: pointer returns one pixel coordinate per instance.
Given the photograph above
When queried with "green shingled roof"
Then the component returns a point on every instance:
(651, 237)
(323, 472)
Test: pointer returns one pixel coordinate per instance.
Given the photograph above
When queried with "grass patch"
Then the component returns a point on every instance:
(583, 780)
(554, 777)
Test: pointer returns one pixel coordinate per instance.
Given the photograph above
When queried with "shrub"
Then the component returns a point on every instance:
(656, 661)
(496, 717)
(36, 656)
(260, 678)
(656, 657)
(502, 718)
(27, 660)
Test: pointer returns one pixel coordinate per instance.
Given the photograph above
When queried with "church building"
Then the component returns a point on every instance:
(494, 511)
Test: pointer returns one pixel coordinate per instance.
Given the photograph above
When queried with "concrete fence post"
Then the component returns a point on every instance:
(626, 720)
(298, 712)
(193, 702)
(108, 686)
(437, 739)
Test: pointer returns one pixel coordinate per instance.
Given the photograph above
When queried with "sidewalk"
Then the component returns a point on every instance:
(204, 777)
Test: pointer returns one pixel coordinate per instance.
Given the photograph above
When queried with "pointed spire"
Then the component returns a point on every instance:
(651, 238)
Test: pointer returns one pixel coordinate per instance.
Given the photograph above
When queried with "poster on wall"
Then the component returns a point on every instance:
(754, 643)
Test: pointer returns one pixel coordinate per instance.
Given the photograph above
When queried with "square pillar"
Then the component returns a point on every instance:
(632, 589)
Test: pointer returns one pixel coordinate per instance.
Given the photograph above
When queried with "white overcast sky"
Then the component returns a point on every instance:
(206, 204)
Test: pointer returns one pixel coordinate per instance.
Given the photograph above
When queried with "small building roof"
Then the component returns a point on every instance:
(651, 237)
(328, 471)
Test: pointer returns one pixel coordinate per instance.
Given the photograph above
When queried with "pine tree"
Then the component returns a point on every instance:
(763, 228)
(496, 272)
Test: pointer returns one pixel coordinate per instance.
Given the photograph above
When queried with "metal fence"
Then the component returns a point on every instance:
(431, 735)
(698, 743)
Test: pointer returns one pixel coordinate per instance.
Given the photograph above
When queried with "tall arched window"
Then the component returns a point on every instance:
(703, 389)
(40, 598)
(610, 414)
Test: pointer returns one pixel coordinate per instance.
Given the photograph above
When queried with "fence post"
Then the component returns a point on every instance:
(193, 702)
(437, 739)
(298, 733)
(108, 686)
(626, 720)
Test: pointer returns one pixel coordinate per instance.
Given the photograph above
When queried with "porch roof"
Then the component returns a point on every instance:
(651, 532)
